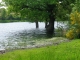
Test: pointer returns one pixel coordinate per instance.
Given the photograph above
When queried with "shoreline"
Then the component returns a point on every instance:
(46, 42)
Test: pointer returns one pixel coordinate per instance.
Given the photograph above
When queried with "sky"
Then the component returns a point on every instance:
(2, 6)
(0, 0)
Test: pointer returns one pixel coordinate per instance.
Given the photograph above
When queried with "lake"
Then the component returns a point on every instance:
(20, 34)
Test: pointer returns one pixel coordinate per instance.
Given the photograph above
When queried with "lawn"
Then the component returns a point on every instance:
(63, 51)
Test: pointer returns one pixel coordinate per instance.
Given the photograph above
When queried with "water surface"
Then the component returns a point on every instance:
(13, 34)
(20, 34)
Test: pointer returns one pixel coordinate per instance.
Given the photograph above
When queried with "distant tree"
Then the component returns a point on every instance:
(2, 13)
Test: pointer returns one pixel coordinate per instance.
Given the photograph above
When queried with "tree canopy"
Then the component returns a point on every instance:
(39, 9)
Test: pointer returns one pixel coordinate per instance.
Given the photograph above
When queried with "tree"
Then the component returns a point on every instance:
(2, 13)
(39, 10)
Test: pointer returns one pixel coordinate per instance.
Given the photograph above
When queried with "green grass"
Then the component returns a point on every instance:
(64, 51)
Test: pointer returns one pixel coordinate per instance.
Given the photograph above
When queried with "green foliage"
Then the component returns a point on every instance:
(74, 31)
(64, 51)
(64, 9)
(2, 13)
(21, 7)
(38, 9)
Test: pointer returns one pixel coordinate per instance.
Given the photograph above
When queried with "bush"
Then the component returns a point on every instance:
(74, 31)
(70, 34)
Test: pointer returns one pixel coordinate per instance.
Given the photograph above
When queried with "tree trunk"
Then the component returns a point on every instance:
(50, 28)
(46, 24)
(37, 25)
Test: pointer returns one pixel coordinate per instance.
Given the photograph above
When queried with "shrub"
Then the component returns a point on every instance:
(70, 34)
(74, 31)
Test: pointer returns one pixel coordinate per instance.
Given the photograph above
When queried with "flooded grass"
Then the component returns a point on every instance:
(63, 51)
(36, 42)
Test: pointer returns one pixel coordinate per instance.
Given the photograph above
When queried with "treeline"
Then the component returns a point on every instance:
(9, 16)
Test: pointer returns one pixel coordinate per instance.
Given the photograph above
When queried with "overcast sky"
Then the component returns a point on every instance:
(0, 0)
(2, 6)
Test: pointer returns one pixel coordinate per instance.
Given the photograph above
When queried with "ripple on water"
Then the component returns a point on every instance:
(14, 34)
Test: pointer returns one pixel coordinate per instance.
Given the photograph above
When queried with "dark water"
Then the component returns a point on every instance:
(20, 34)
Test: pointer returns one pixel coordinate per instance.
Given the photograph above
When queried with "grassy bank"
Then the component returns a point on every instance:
(63, 51)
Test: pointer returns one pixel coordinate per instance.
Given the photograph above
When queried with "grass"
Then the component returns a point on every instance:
(63, 51)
